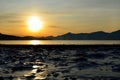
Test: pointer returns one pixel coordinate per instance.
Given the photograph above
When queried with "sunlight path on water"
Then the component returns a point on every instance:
(60, 42)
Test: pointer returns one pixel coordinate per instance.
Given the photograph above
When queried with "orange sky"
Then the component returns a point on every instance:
(59, 16)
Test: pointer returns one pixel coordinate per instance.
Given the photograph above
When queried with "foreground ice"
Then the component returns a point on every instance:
(91, 63)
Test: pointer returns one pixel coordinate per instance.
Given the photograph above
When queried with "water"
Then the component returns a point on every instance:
(60, 42)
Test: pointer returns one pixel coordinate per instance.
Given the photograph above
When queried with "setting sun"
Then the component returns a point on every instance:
(34, 24)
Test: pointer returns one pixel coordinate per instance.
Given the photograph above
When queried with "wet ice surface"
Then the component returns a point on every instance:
(89, 63)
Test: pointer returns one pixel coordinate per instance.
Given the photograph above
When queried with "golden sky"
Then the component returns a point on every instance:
(59, 16)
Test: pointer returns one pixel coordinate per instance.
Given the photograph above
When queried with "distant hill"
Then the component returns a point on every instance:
(99, 35)
(8, 37)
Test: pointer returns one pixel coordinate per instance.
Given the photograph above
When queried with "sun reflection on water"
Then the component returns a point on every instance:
(35, 42)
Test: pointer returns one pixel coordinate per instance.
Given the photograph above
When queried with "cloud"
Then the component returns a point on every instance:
(57, 27)
(58, 13)
(14, 21)
(9, 18)
(7, 15)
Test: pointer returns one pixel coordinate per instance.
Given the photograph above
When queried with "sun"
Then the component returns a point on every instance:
(34, 23)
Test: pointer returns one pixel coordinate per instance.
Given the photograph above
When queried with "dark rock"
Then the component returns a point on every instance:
(30, 77)
(84, 65)
(56, 59)
(72, 78)
(10, 78)
(65, 71)
(66, 79)
(80, 59)
(116, 68)
(1, 78)
(56, 74)
(39, 70)
(97, 55)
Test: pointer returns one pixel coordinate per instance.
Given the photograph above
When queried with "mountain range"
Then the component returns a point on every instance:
(99, 35)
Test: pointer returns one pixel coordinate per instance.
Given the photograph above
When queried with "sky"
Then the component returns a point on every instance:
(59, 16)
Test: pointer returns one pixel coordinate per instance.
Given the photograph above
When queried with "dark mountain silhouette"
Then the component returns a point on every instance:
(8, 37)
(99, 35)
(28, 38)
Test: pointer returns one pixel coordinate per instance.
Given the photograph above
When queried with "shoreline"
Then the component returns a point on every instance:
(59, 46)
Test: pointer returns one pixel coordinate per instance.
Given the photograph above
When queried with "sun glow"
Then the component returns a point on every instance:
(35, 42)
(34, 24)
